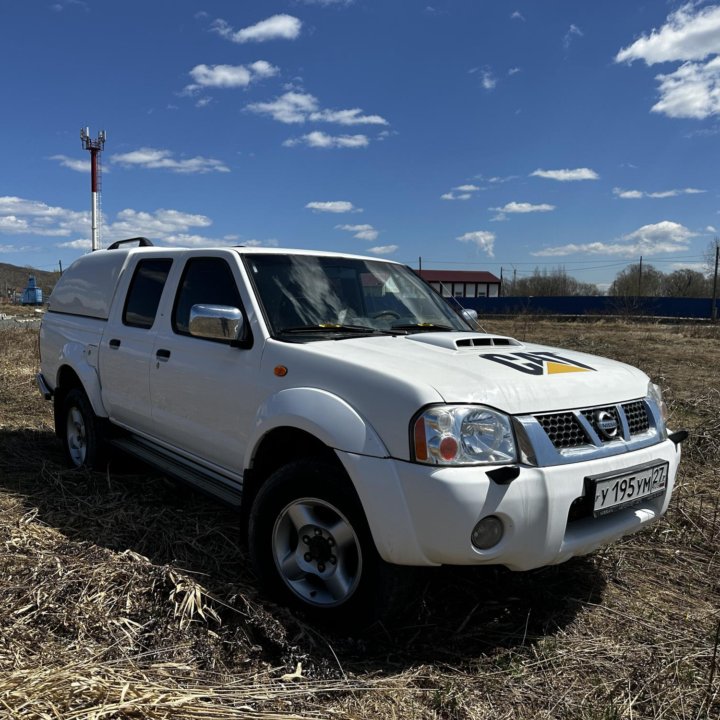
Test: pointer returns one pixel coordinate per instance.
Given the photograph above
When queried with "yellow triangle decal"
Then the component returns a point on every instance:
(553, 368)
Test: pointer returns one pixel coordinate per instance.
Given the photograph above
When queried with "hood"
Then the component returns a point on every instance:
(498, 371)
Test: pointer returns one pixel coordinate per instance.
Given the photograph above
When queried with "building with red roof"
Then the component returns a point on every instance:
(462, 283)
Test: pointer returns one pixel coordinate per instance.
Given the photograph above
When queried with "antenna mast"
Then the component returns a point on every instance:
(95, 147)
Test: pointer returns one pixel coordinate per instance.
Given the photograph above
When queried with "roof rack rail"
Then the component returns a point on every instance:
(141, 242)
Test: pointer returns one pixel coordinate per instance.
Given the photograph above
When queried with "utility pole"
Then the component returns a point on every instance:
(640, 279)
(713, 309)
(95, 147)
(420, 263)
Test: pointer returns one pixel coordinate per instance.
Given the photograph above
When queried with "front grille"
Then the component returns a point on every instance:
(568, 429)
(637, 417)
(563, 429)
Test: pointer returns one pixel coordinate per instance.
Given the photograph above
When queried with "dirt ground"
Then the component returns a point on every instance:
(127, 596)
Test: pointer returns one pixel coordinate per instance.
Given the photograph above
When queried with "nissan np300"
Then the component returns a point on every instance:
(360, 421)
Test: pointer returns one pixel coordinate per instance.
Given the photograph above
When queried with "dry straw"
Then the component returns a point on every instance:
(125, 596)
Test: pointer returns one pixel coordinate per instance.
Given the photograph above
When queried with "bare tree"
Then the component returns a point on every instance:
(637, 280)
(686, 283)
(709, 256)
(546, 283)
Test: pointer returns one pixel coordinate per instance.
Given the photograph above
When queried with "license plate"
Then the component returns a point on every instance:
(613, 492)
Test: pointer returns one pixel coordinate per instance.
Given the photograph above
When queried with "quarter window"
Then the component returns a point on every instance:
(144, 294)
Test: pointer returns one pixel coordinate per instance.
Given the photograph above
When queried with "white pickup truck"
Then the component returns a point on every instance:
(357, 418)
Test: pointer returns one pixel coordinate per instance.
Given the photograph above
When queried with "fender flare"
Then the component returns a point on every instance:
(82, 360)
(322, 414)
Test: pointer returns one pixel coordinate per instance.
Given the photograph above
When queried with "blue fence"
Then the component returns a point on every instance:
(592, 305)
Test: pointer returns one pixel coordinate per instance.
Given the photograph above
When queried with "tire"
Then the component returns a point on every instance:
(311, 547)
(82, 432)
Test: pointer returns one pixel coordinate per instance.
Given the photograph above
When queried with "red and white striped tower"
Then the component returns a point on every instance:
(95, 147)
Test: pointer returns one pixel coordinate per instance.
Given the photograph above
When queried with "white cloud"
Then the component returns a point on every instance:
(692, 91)
(277, 27)
(60, 6)
(482, 239)
(292, 107)
(333, 206)
(523, 207)
(159, 223)
(496, 180)
(455, 196)
(229, 76)
(461, 192)
(488, 80)
(517, 15)
(697, 267)
(690, 35)
(153, 158)
(637, 194)
(567, 175)
(383, 249)
(76, 244)
(19, 216)
(319, 139)
(662, 237)
(687, 35)
(361, 232)
(519, 208)
(487, 77)
(628, 194)
(573, 31)
(514, 71)
(710, 229)
(297, 107)
(72, 163)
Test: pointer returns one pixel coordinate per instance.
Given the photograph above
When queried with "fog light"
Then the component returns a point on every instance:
(487, 533)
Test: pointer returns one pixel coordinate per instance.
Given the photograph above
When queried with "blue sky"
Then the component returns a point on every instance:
(476, 134)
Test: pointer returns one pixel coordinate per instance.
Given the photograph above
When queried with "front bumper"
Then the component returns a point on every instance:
(421, 515)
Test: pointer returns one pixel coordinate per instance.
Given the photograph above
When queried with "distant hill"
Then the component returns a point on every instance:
(15, 278)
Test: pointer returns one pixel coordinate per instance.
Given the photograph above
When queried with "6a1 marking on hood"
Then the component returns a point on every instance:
(538, 363)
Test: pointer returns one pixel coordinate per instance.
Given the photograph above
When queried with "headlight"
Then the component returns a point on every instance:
(463, 435)
(655, 395)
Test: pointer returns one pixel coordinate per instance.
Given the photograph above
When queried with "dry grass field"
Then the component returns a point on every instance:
(126, 596)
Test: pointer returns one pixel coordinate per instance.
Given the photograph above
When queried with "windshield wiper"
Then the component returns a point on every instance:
(422, 327)
(332, 328)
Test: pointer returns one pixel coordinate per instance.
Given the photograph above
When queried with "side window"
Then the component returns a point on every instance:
(144, 293)
(206, 281)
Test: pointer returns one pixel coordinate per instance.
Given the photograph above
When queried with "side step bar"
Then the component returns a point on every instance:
(200, 477)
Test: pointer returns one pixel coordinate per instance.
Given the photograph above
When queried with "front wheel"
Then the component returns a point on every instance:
(311, 546)
(81, 432)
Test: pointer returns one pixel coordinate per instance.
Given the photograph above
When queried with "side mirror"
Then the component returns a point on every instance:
(217, 322)
(470, 316)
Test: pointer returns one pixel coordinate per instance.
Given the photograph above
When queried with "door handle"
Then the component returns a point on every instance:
(162, 354)
(114, 343)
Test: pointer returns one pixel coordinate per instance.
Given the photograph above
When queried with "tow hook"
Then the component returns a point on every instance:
(679, 437)
(504, 475)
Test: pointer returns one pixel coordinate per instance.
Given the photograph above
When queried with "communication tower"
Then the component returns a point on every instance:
(95, 147)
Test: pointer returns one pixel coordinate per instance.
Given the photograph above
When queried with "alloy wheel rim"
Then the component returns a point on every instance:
(317, 552)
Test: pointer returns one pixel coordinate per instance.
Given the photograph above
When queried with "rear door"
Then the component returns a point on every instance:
(127, 345)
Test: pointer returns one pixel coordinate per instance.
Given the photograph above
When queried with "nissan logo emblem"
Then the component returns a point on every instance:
(606, 424)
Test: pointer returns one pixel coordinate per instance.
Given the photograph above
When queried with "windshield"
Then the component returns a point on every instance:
(314, 297)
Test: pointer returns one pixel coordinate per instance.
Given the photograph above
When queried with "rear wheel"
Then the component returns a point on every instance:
(82, 432)
(311, 546)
